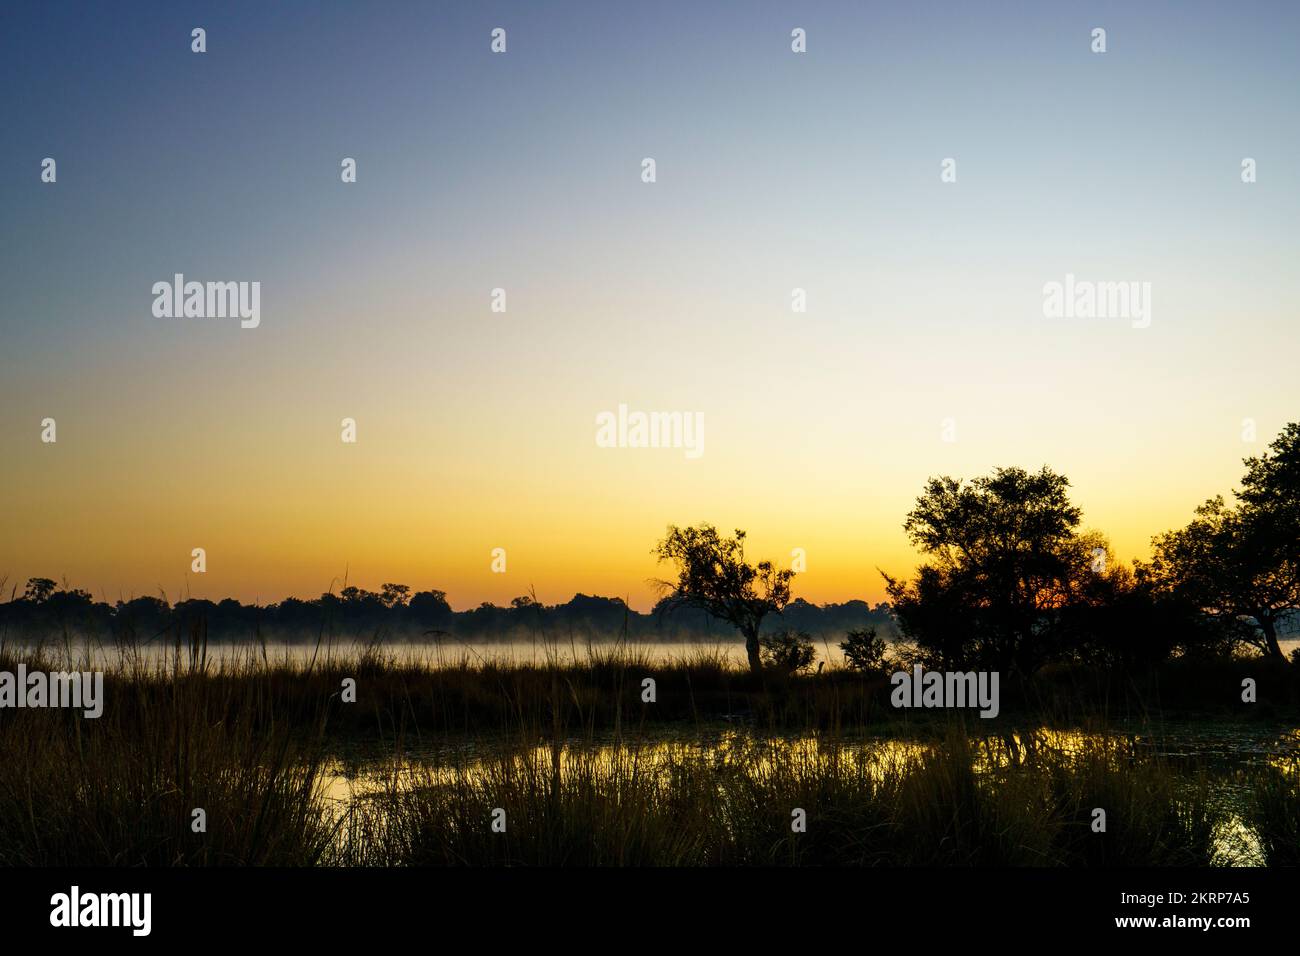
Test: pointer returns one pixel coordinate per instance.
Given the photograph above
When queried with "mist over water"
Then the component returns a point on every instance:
(449, 652)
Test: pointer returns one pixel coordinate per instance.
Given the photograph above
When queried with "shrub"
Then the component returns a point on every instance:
(865, 651)
(790, 651)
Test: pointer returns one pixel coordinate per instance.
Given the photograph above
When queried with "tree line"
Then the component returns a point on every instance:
(1011, 582)
(45, 609)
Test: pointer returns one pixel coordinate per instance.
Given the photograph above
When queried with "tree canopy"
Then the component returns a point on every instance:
(1240, 563)
(713, 575)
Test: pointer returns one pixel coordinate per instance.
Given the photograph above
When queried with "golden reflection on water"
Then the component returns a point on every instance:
(345, 782)
(347, 779)
(764, 755)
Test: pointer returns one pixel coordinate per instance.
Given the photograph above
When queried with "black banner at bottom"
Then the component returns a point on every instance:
(734, 905)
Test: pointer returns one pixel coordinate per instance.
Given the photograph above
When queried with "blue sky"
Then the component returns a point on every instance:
(776, 171)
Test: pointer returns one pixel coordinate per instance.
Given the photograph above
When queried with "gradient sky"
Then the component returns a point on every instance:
(522, 171)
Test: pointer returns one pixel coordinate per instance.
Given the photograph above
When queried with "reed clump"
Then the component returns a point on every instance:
(122, 789)
(1274, 812)
(808, 801)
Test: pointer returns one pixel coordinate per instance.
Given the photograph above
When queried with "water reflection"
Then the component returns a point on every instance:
(1218, 755)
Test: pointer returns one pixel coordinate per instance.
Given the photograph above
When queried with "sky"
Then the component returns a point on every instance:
(923, 350)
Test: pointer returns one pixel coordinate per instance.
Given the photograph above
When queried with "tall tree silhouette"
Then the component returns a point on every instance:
(1005, 560)
(713, 575)
(1242, 562)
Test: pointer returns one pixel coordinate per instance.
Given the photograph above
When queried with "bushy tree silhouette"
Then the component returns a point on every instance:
(1006, 559)
(713, 575)
(1241, 562)
(38, 590)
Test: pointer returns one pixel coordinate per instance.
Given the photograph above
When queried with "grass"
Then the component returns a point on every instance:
(586, 773)
(121, 790)
(1274, 810)
(669, 805)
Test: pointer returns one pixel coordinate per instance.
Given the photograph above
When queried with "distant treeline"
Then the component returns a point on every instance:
(1010, 580)
(395, 613)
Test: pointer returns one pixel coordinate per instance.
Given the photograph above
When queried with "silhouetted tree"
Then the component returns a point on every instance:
(38, 590)
(1006, 560)
(1231, 562)
(1272, 481)
(1118, 618)
(394, 595)
(1271, 486)
(1242, 562)
(142, 617)
(713, 575)
(429, 609)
